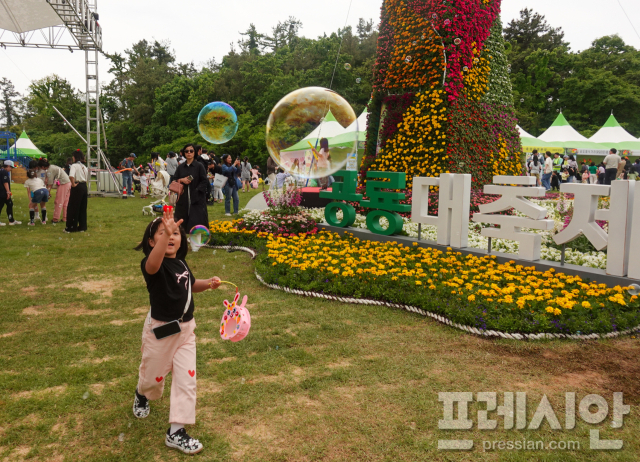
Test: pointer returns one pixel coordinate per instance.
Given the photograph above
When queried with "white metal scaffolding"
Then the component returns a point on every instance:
(63, 25)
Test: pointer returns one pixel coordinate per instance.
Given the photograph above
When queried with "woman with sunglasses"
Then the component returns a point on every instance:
(192, 205)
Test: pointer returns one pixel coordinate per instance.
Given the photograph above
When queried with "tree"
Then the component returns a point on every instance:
(539, 60)
(9, 103)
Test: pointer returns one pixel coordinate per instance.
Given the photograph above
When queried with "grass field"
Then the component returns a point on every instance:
(314, 380)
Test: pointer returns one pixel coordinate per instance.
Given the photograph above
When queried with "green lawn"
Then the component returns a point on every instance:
(314, 380)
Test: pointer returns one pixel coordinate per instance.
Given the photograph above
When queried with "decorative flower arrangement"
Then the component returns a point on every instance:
(469, 290)
(271, 222)
(442, 99)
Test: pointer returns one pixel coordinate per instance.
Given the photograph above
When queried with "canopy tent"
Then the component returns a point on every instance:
(357, 130)
(612, 132)
(328, 128)
(26, 147)
(564, 135)
(21, 16)
(531, 143)
(627, 148)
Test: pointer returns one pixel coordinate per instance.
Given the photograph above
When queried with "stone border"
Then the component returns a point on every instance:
(434, 316)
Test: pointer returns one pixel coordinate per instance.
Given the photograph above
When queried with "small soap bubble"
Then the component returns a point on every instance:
(277, 347)
(465, 68)
(457, 41)
(242, 381)
(224, 266)
(86, 395)
(407, 59)
(434, 16)
(218, 122)
(121, 437)
(28, 254)
(634, 289)
(447, 22)
(347, 66)
(358, 80)
(214, 252)
(522, 100)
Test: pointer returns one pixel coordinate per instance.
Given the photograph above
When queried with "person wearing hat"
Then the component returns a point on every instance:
(128, 166)
(6, 197)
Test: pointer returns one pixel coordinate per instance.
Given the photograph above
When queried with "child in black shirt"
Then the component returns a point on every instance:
(170, 285)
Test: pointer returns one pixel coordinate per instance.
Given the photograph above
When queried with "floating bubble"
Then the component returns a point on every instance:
(461, 164)
(550, 99)
(217, 122)
(86, 395)
(242, 381)
(434, 16)
(522, 100)
(358, 80)
(407, 59)
(634, 289)
(311, 131)
(447, 22)
(415, 43)
(121, 437)
(476, 60)
(457, 41)
(465, 68)
(199, 237)
(557, 110)
(277, 347)
(347, 66)
(224, 266)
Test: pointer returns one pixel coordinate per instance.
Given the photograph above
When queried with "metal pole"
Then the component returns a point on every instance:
(562, 254)
(489, 249)
(419, 230)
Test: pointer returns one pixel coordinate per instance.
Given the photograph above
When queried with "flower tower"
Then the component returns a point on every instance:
(442, 99)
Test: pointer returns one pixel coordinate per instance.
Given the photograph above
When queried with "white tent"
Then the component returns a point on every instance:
(560, 130)
(26, 15)
(328, 128)
(524, 133)
(360, 124)
(612, 132)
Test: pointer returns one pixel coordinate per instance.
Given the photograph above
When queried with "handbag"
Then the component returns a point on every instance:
(175, 191)
(173, 327)
(220, 181)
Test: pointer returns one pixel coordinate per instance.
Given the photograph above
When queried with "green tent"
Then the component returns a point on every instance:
(562, 134)
(26, 147)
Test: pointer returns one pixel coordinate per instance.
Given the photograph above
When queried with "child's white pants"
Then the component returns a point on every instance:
(176, 354)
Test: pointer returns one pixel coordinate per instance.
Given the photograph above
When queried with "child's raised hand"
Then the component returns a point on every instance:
(170, 226)
(214, 283)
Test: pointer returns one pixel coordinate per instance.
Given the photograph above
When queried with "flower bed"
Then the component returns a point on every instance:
(472, 291)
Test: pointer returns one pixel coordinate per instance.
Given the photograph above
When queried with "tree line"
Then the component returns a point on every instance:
(152, 101)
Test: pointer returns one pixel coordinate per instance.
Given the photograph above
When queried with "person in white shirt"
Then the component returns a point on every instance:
(157, 162)
(548, 170)
(77, 210)
(57, 178)
(39, 194)
(611, 163)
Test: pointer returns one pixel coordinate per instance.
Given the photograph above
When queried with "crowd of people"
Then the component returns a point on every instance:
(551, 170)
(70, 202)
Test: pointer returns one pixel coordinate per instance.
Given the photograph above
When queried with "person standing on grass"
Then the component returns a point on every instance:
(231, 170)
(535, 168)
(78, 199)
(611, 163)
(593, 173)
(39, 194)
(170, 284)
(548, 170)
(128, 166)
(6, 196)
(246, 174)
(192, 206)
(56, 176)
(271, 171)
(172, 165)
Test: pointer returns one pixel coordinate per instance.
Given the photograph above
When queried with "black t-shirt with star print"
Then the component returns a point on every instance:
(169, 290)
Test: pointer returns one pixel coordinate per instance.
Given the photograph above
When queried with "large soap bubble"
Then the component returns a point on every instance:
(217, 122)
(300, 122)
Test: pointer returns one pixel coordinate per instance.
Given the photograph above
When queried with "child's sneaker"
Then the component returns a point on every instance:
(180, 440)
(2, 224)
(140, 406)
(16, 222)
(31, 223)
(44, 222)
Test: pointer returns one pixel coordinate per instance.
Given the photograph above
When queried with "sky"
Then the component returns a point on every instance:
(203, 29)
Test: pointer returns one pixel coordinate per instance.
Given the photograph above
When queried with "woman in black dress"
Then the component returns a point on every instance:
(192, 205)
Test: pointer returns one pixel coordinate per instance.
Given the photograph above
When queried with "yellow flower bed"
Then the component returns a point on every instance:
(475, 291)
